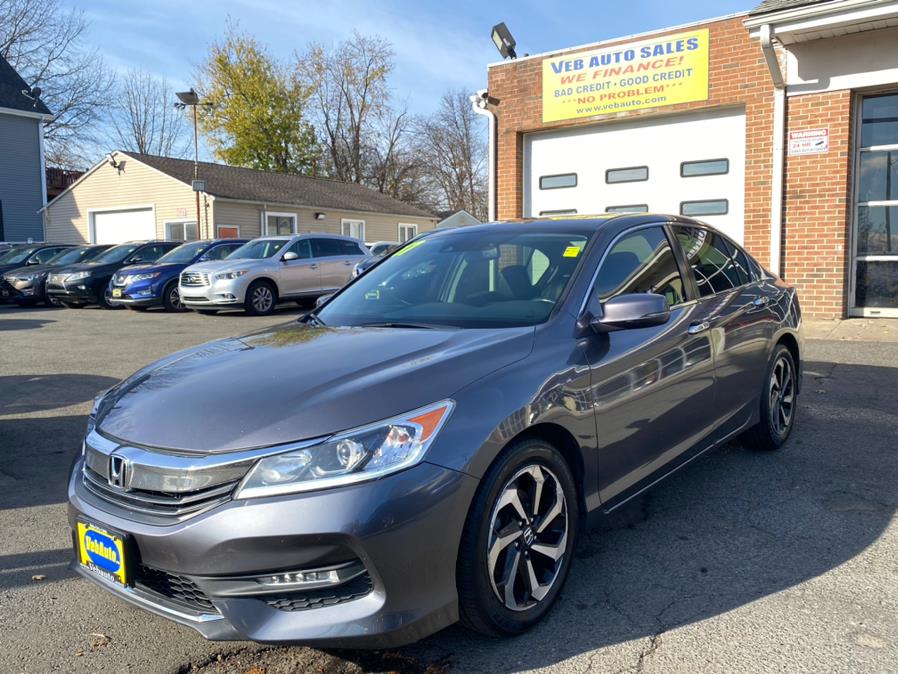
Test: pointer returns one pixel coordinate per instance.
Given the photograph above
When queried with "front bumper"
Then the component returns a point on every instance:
(224, 293)
(84, 291)
(405, 529)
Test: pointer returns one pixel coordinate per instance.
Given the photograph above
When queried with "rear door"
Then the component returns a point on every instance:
(734, 312)
(336, 257)
(650, 386)
(300, 276)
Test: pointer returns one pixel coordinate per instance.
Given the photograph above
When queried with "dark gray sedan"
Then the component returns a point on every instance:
(425, 446)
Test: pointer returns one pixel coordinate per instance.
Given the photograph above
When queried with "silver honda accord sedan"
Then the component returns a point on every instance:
(426, 445)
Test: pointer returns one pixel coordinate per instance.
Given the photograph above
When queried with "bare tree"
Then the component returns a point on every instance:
(144, 119)
(43, 42)
(452, 146)
(350, 99)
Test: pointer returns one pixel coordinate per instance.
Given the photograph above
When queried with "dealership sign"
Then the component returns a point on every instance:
(649, 74)
(809, 141)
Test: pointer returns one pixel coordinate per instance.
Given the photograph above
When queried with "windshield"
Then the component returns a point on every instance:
(116, 253)
(258, 249)
(70, 255)
(475, 279)
(185, 252)
(17, 255)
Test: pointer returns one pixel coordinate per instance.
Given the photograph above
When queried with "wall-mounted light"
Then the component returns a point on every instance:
(503, 40)
(320, 216)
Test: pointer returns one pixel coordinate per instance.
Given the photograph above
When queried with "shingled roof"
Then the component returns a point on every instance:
(11, 87)
(769, 6)
(232, 182)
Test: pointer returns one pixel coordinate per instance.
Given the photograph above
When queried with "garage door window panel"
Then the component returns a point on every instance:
(631, 174)
(641, 262)
(634, 208)
(561, 211)
(558, 181)
(704, 167)
(705, 207)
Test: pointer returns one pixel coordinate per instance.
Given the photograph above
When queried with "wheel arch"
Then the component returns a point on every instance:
(789, 340)
(270, 281)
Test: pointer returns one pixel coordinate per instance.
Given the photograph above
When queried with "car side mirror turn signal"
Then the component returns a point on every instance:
(633, 310)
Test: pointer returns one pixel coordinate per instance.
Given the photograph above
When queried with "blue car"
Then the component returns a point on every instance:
(153, 285)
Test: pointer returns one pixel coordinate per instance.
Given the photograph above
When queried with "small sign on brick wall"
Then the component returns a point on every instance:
(808, 141)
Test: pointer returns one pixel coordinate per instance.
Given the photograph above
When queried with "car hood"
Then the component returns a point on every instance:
(228, 265)
(298, 382)
(88, 266)
(27, 270)
(153, 267)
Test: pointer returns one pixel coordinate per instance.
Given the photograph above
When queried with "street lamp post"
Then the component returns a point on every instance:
(192, 99)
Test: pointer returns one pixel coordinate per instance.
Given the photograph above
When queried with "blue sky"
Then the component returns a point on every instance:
(439, 45)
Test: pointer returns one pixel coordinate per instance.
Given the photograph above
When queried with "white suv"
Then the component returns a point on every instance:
(265, 271)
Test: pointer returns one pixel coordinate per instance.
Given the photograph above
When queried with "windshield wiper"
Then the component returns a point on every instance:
(312, 318)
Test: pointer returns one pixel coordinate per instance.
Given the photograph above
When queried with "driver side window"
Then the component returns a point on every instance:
(302, 248)
(641, 262)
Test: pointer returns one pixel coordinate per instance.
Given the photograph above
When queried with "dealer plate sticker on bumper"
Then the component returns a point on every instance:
(101, 552)
(116, 292)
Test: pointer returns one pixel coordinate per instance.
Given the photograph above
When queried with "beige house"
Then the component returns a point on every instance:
(130, 196)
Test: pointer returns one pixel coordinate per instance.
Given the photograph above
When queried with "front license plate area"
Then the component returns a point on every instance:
(116, 292)
(102, 552)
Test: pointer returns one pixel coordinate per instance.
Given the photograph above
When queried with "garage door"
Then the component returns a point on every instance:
(125, 225)
(690, 164)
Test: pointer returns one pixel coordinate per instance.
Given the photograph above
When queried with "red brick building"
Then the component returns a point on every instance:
(780, 126)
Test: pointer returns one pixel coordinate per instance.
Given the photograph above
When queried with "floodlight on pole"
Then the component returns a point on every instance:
(192, 99)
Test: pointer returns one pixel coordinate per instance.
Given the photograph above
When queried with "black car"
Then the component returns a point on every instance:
(26, 256)
(87, 283)
(26, 285)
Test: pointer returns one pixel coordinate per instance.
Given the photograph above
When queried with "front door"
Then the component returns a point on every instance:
(875, 264)
(651, 387)
(303, 275)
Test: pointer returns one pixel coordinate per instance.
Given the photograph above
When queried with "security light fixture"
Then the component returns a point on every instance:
(188, 98)
(503, 40)
(319, 216)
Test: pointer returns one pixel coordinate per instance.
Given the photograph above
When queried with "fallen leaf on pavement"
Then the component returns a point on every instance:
(38, 576)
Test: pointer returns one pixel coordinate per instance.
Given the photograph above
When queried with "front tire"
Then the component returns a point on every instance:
(261, 297)
(779, 403)
(518, 540)
(171, 298)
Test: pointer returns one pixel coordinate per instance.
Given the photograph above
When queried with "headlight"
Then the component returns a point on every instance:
(78, 276)
(355, 456)
(231, 274)
(142, 277)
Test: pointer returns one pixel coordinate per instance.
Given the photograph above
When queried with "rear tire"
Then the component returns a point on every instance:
(171, 298)
(518, 540)
(779, 403)
(261, 298)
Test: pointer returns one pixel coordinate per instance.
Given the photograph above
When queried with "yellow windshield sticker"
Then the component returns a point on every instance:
(572, 251)
(411, 246)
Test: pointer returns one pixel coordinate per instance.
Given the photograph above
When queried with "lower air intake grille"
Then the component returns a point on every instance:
(330, 596)
(177, 589)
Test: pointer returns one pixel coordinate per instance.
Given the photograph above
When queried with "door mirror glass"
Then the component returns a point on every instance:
(632, 310)
(289, 256)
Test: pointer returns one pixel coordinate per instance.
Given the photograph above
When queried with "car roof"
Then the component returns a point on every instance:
(586, 224)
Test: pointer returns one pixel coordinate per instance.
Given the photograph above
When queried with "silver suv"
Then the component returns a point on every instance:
(265, 271)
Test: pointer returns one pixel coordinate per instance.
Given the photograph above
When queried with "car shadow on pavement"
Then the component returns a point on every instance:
(722, 533)
(23, 324)
(27, 568)
(24, 394)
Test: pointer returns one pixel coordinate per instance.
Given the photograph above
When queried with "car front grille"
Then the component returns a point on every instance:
(194, 278)
(330, 596)
(174, 588)
(166, 504)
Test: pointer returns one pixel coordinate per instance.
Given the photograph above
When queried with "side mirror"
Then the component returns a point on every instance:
(633, 310)
(322, 299)
(33, 260)
(289, 256)
(134, 260)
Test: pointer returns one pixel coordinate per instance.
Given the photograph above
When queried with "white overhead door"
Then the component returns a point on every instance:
(125, 225)
(692, 164)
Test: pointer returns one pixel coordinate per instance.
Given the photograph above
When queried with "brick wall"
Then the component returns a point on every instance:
(817, 206)
(738, 76)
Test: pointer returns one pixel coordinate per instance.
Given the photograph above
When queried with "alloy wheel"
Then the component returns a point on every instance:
(781, 395)
(527, 537)
(262, 299)
(174, 298)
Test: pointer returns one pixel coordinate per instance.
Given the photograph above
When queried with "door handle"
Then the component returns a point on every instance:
(313, 266)
(347, 262)
(761, 301)
(696, 328)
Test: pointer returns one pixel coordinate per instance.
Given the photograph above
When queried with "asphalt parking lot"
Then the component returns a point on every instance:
(781, 562)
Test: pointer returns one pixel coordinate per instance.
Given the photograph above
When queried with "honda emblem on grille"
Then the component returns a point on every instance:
(118, 471)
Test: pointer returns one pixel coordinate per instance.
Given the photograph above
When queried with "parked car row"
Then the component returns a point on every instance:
(205, 276)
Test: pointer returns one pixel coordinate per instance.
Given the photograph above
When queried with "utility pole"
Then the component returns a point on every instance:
(192, 99)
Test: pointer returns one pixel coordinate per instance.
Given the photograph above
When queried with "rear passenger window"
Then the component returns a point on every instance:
(709, 258)
(327, 247)
(641, 262)
(153, 253)
(740, 260)
(350, 248)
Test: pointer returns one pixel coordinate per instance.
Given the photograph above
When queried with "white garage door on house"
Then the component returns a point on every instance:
(125, 225)
(692, 164)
